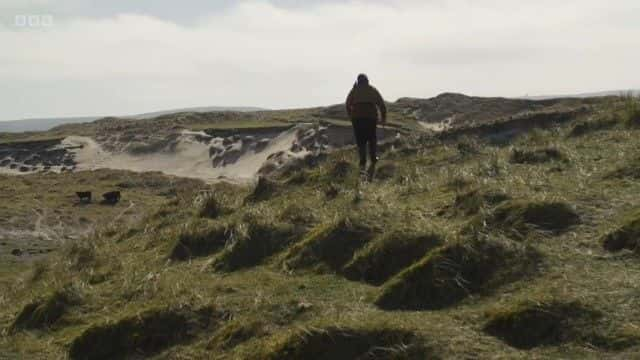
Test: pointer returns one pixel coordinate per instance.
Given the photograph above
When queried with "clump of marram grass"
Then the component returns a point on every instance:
(347, 343)
(531, 324)
(536, 156)
(385, 171)
(340, 169)
(598, 124)
(471, 202)
(297, 215)
(143, 334)
(519, 218)
(467, 147)
(46, 312)
(213, 205)
(265, 189)
(449, 274)
(388, 255)
(199, 239)
(630, 170)
(626, 236)
(80, 254)
(252, 240)
(631, 110)
(329, 246)
(234, 333)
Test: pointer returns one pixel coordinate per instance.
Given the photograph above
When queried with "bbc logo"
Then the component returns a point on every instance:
(33, 21)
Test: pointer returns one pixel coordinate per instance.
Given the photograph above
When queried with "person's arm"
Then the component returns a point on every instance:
(349, 103)
(382, 106)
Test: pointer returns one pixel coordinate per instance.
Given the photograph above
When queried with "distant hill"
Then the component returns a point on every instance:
(635, 92)
(44, 124)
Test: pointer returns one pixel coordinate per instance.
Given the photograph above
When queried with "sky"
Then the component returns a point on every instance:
(118, 57)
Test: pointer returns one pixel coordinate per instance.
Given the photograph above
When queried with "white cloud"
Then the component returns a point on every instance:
(258, 54)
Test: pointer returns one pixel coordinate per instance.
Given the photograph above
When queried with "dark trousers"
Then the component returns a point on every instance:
(365, 133)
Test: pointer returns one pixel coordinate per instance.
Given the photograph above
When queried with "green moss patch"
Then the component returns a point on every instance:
(450, 273)
(145, 334)
(546, 323)
(329, 245)
(536, 156)
(347, 344)
(253, 240)
(200, 239)
(45, 312)
(519, 218)
(627, 236)
(387, 256)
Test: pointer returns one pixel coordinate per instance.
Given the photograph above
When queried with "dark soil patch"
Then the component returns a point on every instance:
(348, 344)
(389, 255)
(449, 274)
(144, 334)
(537, 324)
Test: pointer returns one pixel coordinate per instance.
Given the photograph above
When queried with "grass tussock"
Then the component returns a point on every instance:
(144, 334)
(590, 126)
(234, 333)
(471, 202)
(449, 274)
(385, 257)
(265, 189)
(45, 312)
(213, 205)
(253, 240)
(626, 236)
(329, 245)
(346, 344)
(519, 218)
(631, 111)
(386, 171)
(199, 239)
(536, 156)
(631, 170)
(533, 324)
(340, 169)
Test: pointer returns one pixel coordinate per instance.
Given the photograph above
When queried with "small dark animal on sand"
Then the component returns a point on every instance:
(111, 197)
(85, 196)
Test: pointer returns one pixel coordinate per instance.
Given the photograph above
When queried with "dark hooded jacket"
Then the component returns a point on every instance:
(365, 102)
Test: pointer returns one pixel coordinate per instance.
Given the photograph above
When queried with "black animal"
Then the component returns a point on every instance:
(85, 196)
(111, 197)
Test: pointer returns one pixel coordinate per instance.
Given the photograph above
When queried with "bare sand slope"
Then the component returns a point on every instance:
(190, 157)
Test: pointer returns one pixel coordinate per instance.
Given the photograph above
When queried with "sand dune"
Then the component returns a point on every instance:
(190, 157)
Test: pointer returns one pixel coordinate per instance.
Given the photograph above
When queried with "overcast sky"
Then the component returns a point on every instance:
(121, 57)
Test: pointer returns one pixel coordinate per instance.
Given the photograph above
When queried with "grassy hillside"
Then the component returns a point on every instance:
(462, 247)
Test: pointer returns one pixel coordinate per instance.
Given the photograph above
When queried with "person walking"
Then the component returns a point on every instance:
(366, 108)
